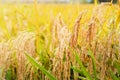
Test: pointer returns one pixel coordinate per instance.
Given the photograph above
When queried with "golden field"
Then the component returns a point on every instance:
(59, 42)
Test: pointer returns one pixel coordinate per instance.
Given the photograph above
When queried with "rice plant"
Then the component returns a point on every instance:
(60, 41)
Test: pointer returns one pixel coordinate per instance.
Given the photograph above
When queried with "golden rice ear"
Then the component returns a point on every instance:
(60, 20)
(62, 35)
(5, 60)
(24, 42)
(55, 28)
(91, 31)
(74, 37)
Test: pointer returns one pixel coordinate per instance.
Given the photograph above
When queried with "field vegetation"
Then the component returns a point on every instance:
(60, 41)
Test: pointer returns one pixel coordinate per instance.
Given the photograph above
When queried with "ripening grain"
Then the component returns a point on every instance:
(59, 41)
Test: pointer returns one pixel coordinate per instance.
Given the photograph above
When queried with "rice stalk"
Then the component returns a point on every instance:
(24, 42)
(62, 66)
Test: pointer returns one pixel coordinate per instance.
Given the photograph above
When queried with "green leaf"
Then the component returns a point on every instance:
(79, 71)
(93, 64)
(36, 64)
(83, 68)
(76, 69)
(113, 75)
(1, 71)
(8, 75)
(117, 66)
(82, 78)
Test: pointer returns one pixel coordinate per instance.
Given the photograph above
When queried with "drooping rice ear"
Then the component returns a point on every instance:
(91, 32)
(24, 42)
(61, 22)
(54, 32)
(74, 37)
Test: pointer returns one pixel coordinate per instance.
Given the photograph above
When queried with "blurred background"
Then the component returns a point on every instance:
(55, 1)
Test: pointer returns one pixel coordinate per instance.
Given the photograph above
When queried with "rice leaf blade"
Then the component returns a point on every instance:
(36, 64)
(93, 63)
(83, 68)
(113, 75)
